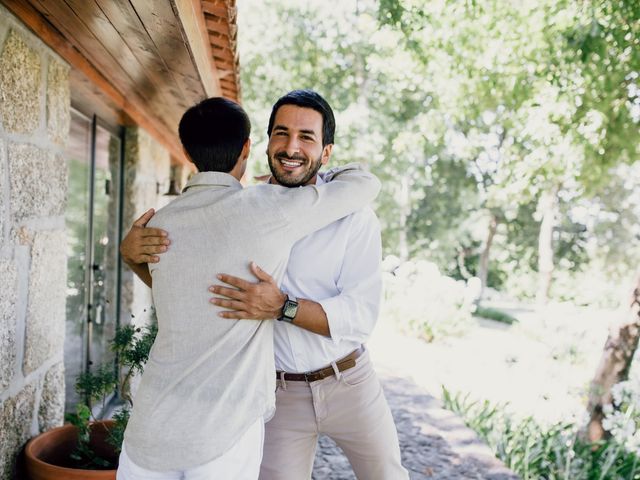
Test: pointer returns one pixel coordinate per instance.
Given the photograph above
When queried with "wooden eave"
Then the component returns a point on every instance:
(220, 20)
(138, 61)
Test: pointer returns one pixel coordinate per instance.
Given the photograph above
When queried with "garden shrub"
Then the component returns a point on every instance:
(556, 452)
(425, 303)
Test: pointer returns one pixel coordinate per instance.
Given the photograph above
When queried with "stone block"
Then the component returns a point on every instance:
(20, 85)
(58, 102)
(146, 163)
(37, 181)
(16, 416)
(47, 297)
(51, 411)
(8, 299)
(3, 199)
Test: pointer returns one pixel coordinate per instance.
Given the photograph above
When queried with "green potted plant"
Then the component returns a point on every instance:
(88, 448)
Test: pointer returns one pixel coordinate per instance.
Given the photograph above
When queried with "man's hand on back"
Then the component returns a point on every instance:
(262, 300)
(141, 244)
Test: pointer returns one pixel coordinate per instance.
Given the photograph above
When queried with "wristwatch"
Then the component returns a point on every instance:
(289, 309)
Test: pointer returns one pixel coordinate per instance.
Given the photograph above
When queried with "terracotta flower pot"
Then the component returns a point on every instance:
(47, 455)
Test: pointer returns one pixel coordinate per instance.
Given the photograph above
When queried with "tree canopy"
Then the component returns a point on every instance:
(507, 131)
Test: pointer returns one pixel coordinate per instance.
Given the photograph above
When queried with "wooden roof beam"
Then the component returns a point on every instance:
(191, 17)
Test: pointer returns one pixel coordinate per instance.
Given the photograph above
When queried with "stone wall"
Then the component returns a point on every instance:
(34, 126)
(146, 173)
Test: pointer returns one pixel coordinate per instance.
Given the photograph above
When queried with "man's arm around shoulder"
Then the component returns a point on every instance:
(347, 189)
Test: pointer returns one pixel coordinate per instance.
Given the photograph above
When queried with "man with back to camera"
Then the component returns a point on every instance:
(208, 386)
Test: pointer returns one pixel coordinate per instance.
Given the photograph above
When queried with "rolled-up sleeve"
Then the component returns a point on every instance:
(353, 313)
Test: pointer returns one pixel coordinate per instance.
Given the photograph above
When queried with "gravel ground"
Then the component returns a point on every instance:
(435, 444)
(540, 366)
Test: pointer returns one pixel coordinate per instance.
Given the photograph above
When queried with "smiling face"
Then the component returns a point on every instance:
(295, 150)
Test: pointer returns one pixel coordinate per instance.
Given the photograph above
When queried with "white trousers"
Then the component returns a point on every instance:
(241, 462)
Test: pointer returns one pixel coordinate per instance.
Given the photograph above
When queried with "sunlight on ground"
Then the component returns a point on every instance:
(541, 366)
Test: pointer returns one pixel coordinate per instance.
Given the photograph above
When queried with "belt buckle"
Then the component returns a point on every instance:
(314, 376)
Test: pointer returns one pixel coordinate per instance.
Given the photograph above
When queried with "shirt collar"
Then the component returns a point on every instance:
(212, 179)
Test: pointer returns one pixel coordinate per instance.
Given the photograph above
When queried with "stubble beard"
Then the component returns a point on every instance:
(287, 181)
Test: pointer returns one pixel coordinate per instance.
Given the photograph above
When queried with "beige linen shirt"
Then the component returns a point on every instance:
(208, 379)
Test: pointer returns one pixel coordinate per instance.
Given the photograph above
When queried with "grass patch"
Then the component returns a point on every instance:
(495, 314)
(537, 452)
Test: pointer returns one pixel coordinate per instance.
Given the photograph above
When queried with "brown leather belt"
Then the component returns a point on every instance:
(343, 364)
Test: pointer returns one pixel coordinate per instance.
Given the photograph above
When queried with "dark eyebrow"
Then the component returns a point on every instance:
(286, 129)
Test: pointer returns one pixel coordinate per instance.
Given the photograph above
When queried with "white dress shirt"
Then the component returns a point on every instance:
(338, 267)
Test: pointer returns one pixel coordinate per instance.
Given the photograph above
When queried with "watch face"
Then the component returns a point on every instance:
(290, 309)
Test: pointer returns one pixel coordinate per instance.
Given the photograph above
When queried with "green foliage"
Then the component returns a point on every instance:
(132, 346)
(83, 454)
(495, 314)
(534, 451)
(555, 83)
(426, 303)
(97, 384)
(116, 434)
(469, 111)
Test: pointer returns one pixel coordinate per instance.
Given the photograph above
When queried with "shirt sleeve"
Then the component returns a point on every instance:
(353, 313)
(312, 207)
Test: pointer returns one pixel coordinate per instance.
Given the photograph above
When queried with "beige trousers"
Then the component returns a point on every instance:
(349, 407)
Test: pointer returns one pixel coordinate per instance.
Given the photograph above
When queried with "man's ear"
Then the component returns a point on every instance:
(246, 149)
(326, 153)
(186, 155)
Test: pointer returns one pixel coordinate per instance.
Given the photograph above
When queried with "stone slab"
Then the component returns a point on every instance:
(4, 200)
(16, 416)
(58, 102)
(47, 294)
(51, 410)
(38, 182)
(8, 299)
(20, 85)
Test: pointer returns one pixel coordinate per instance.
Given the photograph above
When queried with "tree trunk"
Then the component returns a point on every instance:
(483, 268)
(462, 267)
(547, 206)
(405, 210)
(614, 365)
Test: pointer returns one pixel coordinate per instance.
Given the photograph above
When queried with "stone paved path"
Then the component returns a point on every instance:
(435, 444)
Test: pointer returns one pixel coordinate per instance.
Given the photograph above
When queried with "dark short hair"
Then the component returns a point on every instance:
(213, 133)
(308, 99)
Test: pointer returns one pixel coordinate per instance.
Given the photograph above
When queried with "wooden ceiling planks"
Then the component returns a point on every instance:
(165, 31)
(65, 20)
(176, 86)
(136, 57)
(107, 47)
(161, 81)
(220, 20)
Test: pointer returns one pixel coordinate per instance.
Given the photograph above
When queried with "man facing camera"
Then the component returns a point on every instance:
(328, 306)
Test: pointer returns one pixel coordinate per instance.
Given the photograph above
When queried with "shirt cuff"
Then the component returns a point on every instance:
(336, 311)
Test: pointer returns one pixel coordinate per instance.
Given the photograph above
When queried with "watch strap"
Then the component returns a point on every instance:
(289, 309)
